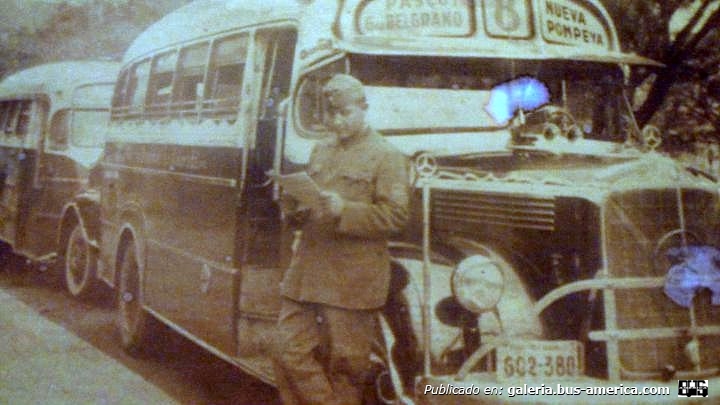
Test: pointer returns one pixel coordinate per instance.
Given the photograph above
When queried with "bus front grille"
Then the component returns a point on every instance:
(641, 227)
(510, 210)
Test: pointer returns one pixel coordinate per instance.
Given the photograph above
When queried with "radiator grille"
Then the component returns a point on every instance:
(512, 210)
(636, 224)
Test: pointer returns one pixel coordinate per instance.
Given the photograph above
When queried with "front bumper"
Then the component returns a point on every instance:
(483, 388)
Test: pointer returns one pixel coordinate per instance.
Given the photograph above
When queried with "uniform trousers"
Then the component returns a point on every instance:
(323, 353)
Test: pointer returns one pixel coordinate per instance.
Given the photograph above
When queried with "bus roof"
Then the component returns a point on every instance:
(203, 18)
(58, 77)
(547, 29)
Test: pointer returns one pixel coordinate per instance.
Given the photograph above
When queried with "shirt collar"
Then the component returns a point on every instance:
(354, 140)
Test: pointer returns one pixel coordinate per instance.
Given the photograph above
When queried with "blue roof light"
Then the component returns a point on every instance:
(525, 93)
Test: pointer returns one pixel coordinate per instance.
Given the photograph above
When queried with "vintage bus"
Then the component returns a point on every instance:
(52, 118)
(549, 241)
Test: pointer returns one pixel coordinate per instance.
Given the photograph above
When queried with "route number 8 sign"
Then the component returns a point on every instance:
(507, 18)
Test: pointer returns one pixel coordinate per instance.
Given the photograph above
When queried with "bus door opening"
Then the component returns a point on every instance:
(264, 233)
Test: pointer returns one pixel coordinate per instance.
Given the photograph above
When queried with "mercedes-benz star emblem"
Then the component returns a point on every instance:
(425, 165)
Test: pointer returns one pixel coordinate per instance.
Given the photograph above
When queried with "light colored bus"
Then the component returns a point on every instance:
(51, 136)
(549, 240)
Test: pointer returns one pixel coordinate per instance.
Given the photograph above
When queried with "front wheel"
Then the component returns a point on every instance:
(80, 264)
(134, 322)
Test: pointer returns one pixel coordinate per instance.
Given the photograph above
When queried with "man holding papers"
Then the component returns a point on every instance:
(340, 273)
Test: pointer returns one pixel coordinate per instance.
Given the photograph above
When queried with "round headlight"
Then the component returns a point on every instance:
(477, 283)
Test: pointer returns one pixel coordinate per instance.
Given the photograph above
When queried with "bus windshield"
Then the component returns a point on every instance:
(425, 95)
(434, 89)
(91, 114)
(88, 128)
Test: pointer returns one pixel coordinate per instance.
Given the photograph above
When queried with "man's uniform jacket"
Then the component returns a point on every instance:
(345, 262)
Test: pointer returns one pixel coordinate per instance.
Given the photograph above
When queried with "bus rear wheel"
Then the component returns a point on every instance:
(134, 322)
(80, 264)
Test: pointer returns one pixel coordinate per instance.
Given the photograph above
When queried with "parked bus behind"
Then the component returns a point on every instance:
(52, 120)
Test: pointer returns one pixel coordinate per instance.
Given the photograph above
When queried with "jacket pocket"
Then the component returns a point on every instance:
(357, 186)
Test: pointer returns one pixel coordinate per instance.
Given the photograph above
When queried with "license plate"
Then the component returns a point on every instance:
(540, 359)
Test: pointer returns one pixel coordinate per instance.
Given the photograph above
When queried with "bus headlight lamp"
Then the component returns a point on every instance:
(478, 283)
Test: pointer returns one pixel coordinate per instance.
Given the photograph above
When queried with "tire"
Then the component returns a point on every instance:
(134, 323)
(80, 260)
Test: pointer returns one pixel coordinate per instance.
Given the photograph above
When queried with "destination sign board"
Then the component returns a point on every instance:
(429, 18)
(567, 22)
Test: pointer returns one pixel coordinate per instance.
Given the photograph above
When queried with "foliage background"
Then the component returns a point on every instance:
(683, 100)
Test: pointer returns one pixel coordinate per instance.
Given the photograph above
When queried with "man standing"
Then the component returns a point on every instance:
(340, 273)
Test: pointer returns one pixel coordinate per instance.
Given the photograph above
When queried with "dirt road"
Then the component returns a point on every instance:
(182, 370)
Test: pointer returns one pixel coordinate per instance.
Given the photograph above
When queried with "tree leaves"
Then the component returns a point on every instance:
(684, 98)
(95, 29)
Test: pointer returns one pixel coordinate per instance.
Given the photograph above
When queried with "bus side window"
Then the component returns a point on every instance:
(120, 101)
(4, 106)
(11, 119)
(160, 84)
(137, 87)
(190, 82)
(59, 130)
(279, 50)
(24, 117)
(225, 77)
(278, 71)
(311, 107)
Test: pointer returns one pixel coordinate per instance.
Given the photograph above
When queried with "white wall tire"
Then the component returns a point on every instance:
(80, 260)
(134, 323)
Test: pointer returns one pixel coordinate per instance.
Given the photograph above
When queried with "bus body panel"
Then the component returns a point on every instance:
(187, 165)
(187, 197)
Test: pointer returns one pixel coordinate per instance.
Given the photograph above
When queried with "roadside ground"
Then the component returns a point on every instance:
(43, 363)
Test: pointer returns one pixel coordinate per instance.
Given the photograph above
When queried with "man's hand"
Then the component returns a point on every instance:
(331, 204)
(292, 212)
(288, 204)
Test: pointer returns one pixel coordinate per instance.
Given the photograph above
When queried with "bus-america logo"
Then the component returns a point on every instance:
(692, 388)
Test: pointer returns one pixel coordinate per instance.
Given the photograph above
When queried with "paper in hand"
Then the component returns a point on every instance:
(301, 187)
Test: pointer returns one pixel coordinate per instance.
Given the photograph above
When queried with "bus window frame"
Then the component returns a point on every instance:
(3, 115)
(22, 106)
(180, 107)
(51, 145)
(205, 105)
(13, 112)
(137, 110)
(159, 110)
(41, 108)
(298, 95)
(24, 112)
(118, 108)
(209, 109)
(270, 109)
